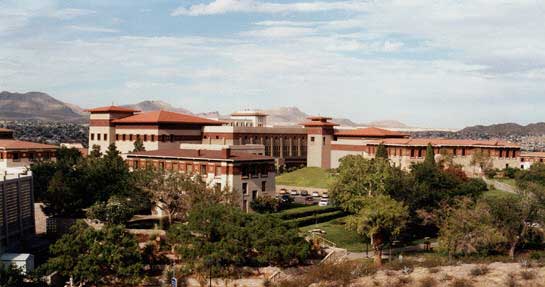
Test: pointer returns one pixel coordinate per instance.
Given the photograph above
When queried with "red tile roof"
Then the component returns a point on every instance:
(532, 154)
(15, 144)
(111, 109)
(200, 154)
(318, 124)
(165, 117)
(445, 142)
(3, 130)
(370, 132)
(319, 118)
(249, 113)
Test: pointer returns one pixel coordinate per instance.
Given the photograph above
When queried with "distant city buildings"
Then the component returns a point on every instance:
(17, 155)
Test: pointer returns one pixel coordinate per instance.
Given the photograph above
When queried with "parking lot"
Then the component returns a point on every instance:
(305, 196)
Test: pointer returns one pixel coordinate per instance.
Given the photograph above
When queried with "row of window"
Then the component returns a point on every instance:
(31, 156)
(177, 166)
(144, 138)
(254, 192)
(255, 171)
(99, 136)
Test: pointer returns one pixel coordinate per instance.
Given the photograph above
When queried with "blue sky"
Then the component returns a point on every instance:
(427, 63)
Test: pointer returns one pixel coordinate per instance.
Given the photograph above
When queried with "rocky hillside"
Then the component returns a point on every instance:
(147, 106)
(35, 106)
(504, 130)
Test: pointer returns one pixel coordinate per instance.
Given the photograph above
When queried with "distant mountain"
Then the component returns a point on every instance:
(147, 106)
(503, 130)
(35, 106)
(388, 124)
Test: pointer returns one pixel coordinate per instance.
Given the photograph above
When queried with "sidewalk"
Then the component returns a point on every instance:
(395, 251)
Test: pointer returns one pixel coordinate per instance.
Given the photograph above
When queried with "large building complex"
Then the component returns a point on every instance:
(15, 154)
(163, 130)
(251, 175)
(327, 145)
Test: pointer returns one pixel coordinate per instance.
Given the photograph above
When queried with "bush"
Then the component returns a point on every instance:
(479, 270)
(461, 282)
(340, 274)
(511, 280)
(537, 255)
(428, 282)
(510, 172)
(527, 275)
(266, 204)
(491, 173)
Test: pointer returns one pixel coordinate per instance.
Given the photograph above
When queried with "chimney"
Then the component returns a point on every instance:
(225, 153)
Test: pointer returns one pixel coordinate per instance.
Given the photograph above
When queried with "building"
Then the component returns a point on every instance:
(162, 130)
(527, 159)
(157, 130)
(16, 210)
(251, 175)
(15, 154)
(248, 118)
(328, 145)
(288, 145)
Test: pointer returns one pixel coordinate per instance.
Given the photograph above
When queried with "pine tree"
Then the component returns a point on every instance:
(381, 152)
(430, 155)
(95, 151)
(139, 145)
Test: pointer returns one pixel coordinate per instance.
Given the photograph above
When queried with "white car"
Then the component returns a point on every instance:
(315, 194)
(324, 195)
(324, 202)
(294, 192)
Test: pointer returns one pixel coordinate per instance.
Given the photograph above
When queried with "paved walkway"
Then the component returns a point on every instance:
(500, 185)
(395, 251)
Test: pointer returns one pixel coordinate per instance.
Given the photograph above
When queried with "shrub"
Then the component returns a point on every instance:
(527, 275)
(427, 282)
(266, 204)
(511, 280)
(537, 255)
(510, 172)
(461, 282)
(479, 270)
(490, 173)
(433, 270)
(399, 282)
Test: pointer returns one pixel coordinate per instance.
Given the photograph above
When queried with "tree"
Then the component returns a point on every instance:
(266, 204)
(106, 257)
(481, 159)
(430, 155)
(11, 276)
(466, 227)
(138, 145)
(225, 238)
(381, 219)
(175, 193)
(117, 210)
(95, 151)
(381, 152)
(359, 178)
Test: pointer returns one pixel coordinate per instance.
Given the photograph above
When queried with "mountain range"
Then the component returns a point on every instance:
(41, 106)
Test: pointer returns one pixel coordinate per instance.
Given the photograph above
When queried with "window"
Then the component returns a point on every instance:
(175, 165)
(130, 137)
(412, 152)
(217, 171)
(135, 164)
(218, 186)
(245, 188)
(455, 152)
(16, 156)
(501, 153)
(419, 152)
(161, 165)
(30, 156)
(116, 137)
(152, 138)
(463, 152)
(323, 140)
(245, 172)
(105, 137)
(203, 170)
(312, 139)
(124, 137)
(189, 168)
(92, 137)
(254, 195)
(145, 138)
(98, 137)
(263, 186)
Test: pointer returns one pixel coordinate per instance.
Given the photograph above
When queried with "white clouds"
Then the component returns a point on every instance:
(92, 29)
(252, 6)
(280, 32)
(71, 13)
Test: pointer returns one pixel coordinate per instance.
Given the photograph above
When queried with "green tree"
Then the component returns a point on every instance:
(95, 151)
(482, 160)
(226, 238)
(117, 210)
(430, 155)
(466, 227)
(106, 257)
(381, 219)
(11, 276)
(359, 178)
(138, 145)
(381, 152)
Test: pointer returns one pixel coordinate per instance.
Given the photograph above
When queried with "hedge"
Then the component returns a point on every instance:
(293, 214)
(324, 217)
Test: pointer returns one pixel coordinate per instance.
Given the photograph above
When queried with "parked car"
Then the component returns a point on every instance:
(285, 198)
(324, 195)
(309, 200)
(283, 191)
(304, 192)
(324, 202)
(294, 192)
(315, 194)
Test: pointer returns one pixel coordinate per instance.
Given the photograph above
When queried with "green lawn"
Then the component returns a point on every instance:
(494, 193)
(306, 177)
(509, 181)
(336, 232)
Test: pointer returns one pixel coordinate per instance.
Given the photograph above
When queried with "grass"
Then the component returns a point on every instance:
(495, 193)
(305, 209)
(306, 177)
(336, 232)
(509, 181)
